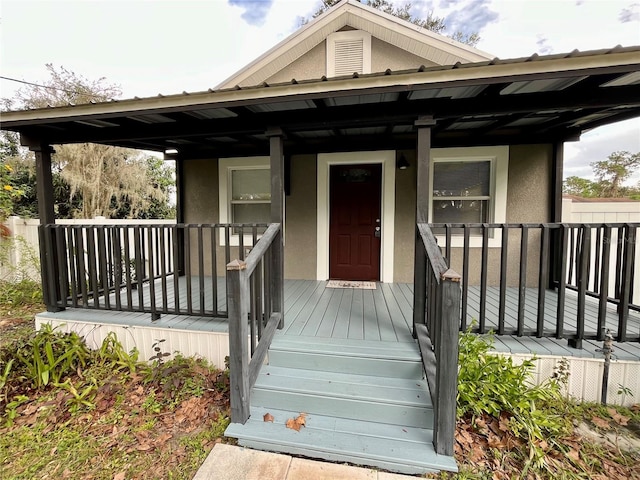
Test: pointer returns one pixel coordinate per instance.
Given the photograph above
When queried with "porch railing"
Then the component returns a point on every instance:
(435, 324)
(256, 307)
(157, 269)
(509, 270)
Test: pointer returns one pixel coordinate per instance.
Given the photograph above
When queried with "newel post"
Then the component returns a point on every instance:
(238, 308)
(446, 351)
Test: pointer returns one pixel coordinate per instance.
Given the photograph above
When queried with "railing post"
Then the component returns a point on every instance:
(237, 304)
(277, 276)
(419, 282)
(446, 351)
(626, 286)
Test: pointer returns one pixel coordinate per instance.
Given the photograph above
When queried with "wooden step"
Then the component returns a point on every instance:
(391, 447)
(383, 359)
(396, 401)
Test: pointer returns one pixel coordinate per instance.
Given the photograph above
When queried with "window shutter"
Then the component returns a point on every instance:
(349, 57)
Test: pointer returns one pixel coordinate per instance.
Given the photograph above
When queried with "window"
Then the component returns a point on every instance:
(250, 197)
(469, 185)
(244, 191)
(462, 192)
(348, 52)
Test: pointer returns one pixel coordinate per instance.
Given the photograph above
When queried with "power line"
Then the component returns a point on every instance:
(73, 92)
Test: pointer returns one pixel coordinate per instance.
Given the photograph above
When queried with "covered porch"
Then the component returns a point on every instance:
(525, 108)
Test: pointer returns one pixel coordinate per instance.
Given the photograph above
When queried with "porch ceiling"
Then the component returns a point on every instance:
(528, 100)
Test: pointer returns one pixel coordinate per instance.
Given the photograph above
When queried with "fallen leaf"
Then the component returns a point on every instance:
(600, 422)
(496, 442)
(301, 420)
(268, 417)
(619, 419)
(119, 476)
(291, 423)
(574, 455)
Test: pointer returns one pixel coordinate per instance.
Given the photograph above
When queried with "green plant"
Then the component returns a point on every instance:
(79, 398)
(159, 355)
(51, 355)
(19, 259)
(622, 390)
(11, 409)
(151, 404)
(491, 384)
(111, 353)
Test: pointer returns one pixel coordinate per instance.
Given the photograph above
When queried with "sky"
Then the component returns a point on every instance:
(170, 46)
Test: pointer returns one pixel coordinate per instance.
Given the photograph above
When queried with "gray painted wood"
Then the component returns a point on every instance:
(309, 303)
(405, 450)
(46, 213)
(260, 353)
(276, 151)
(237, 301)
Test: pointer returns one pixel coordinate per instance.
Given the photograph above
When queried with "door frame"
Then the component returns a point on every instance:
(387, 158)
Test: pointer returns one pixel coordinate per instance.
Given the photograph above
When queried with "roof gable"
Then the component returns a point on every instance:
(421, 42)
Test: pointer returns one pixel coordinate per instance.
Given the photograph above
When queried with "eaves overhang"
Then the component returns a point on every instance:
(533, 95)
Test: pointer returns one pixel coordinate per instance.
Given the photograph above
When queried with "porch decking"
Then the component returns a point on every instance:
(383, 314)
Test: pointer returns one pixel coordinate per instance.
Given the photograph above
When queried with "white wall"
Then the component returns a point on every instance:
(606, 212)
(26, 230)
(600, 212)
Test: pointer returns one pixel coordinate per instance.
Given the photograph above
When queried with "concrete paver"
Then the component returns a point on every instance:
(302, 469)
(227, 462)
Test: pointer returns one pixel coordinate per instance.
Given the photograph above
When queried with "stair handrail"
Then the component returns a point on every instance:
(436, 323)
(256, 309)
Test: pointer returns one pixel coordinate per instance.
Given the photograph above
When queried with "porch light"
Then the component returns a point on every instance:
(402, 163)
(170, 151)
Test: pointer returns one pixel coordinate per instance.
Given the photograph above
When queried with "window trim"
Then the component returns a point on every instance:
(498, 157)
(336, 37)
(225, 167)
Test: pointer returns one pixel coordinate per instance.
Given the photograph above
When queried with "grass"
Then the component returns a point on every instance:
(112, 418)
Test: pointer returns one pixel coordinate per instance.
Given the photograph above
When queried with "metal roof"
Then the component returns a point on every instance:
(532, 99)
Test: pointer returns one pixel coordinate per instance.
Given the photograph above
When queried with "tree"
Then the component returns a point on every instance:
(613, 171)
(432, 22)
(581, 187)
(95, 179)
(610, 174)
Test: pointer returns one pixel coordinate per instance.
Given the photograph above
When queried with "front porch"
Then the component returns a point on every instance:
(314, 311)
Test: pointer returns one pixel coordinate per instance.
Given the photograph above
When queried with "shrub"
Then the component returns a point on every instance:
(493, 385)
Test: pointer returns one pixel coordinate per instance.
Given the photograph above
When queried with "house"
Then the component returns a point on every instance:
(361, 148)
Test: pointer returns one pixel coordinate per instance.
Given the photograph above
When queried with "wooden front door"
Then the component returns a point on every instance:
(355, 222)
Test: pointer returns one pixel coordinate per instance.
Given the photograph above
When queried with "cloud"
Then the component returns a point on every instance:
(630, 14)
(472, 17)
(255, 11)
(598, 144)
(543, 45)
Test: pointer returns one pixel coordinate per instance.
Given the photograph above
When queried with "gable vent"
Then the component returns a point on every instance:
(348, 52)
(349, 57)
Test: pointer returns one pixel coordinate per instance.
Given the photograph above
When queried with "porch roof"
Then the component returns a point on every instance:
(523, 100)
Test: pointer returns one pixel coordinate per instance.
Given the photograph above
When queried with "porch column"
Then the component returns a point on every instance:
(276, 151)
(423, 161)
(49, 262)
(180, 261)
(555, 215)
